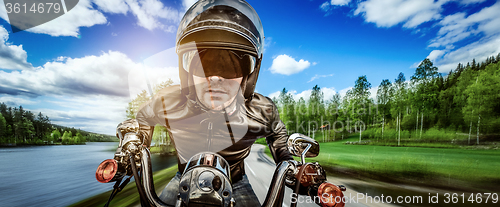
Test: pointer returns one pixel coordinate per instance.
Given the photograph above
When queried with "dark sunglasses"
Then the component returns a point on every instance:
(228, 64)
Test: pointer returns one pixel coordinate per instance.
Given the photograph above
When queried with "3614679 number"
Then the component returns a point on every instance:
(34, 8)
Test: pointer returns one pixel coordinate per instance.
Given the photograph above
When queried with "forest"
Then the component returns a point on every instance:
(429, 108)
(22, 127)
(461, 107)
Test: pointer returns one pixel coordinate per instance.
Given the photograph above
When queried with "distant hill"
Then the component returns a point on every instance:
(91, 136)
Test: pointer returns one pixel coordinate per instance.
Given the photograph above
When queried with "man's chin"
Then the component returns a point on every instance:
(217, 105)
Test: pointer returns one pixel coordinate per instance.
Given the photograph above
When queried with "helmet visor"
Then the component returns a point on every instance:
(228, 64)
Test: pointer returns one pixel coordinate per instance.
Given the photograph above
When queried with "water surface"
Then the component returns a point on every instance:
(57, 175)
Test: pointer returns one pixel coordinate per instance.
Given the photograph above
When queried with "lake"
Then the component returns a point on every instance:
(57, 175)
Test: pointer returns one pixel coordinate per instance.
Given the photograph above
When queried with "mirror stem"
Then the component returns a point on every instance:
(303, 156)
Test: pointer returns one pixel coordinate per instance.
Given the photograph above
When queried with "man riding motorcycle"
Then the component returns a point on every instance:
(215, 108)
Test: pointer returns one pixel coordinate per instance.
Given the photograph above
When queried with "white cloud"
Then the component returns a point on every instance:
(344, 91)
(319, 76)
(157, 68)
(105, 74)
(339, 2)
(455, 29)
(387, 13)
(16, 100)
(325, 6)
(286, 65)
(304, 94)
(82, 15)
(373, 93)
(12, 57)
(435, 54)
(274, 95)
(458, 27)
(328, 93)
(61, 58)
(478, 50)
(149, 12)
(95, 113)
(112, 6)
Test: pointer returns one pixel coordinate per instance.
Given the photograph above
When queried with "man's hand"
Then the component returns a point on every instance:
(130, 125)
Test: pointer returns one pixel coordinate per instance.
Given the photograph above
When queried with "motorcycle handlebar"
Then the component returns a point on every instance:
(274, 197)
(147, 179)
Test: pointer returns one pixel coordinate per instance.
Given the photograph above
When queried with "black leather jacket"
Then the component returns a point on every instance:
(193, 128)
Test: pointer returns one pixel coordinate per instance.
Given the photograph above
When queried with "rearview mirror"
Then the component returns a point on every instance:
(302, 146)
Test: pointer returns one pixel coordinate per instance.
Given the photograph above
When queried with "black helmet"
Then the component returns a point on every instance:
(229, 26)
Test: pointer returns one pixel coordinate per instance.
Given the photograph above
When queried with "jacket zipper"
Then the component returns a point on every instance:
(209, 136)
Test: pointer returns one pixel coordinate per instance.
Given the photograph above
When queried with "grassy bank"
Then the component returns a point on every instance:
(439, 167)
(164, 149)
(129, 195)
(438, 138)
(451, 168)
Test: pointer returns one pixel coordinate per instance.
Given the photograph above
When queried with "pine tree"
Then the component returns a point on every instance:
(384, 94)
(459, 68)
(425, 71)
(3, 127)
(287, 112)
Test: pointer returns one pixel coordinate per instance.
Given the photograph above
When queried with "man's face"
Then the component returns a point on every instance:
(216, 92)
(217, 76)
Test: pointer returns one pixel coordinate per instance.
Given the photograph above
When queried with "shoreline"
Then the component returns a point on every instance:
(12, 145)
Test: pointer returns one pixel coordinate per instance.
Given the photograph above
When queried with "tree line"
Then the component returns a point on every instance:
(428, 106)
(20, 126)
(465, 102)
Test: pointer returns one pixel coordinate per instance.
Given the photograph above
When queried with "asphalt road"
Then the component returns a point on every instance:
(260, 168)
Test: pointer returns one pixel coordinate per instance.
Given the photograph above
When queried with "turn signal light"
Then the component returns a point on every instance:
(331, 195)
(106, 170)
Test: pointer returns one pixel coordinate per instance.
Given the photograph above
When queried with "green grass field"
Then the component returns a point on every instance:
(429, 166)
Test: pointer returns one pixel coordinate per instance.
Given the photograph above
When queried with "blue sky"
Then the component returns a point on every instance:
(77, 68)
